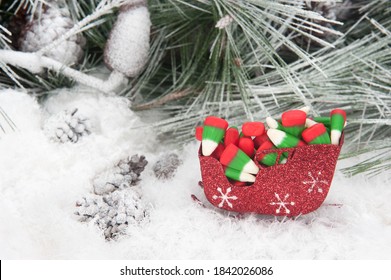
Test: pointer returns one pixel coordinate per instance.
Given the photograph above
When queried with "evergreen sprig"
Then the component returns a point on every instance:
(246, 60)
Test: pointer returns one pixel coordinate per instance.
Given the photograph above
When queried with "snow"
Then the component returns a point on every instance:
(41, 180)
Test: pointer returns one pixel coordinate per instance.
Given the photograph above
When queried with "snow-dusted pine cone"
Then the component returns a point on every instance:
(166, 166)
(67, 126)
(47, 24)
(114, 212)
(123, 175)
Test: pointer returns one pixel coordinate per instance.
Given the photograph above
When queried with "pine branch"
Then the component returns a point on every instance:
(219, 63)
(35, 64)
(6, 123)
(105, 7)
(162, 101)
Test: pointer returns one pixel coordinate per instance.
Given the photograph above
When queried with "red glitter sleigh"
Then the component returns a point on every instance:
(297, 187)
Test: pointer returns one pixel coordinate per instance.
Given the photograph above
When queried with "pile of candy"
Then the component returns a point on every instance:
(236, 150)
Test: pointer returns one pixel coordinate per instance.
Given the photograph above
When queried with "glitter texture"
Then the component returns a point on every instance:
(297, 187)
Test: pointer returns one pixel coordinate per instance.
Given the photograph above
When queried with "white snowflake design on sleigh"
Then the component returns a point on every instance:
(225, 198)
(282, 203)
(314, 182)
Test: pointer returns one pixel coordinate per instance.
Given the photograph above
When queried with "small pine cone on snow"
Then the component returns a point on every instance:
(47, 24)
(114, 212)
(67, 126)
(124, 175)
(166, 166)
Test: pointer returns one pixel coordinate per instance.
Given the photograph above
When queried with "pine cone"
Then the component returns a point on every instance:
(340, 11)
(124, 175)
(15, 26)
(114, 212)
(166, 166)
(47, 24)
(332, 10)
(67, 126)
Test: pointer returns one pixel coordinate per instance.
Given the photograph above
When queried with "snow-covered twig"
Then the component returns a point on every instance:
(35, 64)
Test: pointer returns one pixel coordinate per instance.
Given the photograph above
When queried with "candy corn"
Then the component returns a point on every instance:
(218, 151)
(305, 109)
(239, 175)
(282, 139)
(238, 183)
(231, 136)
(272, 123)
(253, 128)
(294, 122)
(235, 150)
(213, 133)
(246, 144)
(198, 133)
(316, 134)
(309, 122)
(235, 158)
(325, 120)
(270, 158)
(259, 140)
(338, 119)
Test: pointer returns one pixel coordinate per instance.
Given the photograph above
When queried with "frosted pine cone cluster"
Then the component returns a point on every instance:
(67, 126)
(47, 24)
(125, 174)
(166, 166)
(114, 212)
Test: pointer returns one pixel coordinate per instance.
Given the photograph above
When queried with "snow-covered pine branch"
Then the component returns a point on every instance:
(35, 63)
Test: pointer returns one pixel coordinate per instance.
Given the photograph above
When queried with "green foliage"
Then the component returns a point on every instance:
(272, 56)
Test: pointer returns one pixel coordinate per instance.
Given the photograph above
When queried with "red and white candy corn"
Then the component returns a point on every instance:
(213, 133)
(235, 158)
